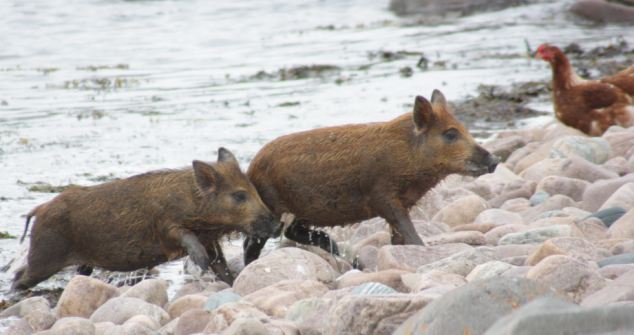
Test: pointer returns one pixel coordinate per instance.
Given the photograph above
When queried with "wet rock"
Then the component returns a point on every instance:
(36, 311)
(569, 276)
(618, 259)
(391, 278)
(153, 291)
(570, 187)
(179, 306)
(411, 257)
(310, 315)
(275, 299)
(536, 235)
(593, 149)
(119, 310)
(572, 246)
(366, 258)
(362, 314)
(83, 295)
(608, 215)
(464, 7)
(282, 264)
(466, 237)
(498, 217)
(474, 307)
(417, 282)
(503, 147)
(246, 326)
(220, 298)
(620, 289)
(603, 11)
(623, 227)
(226, 314)
(494, 235)
(461, 211)
(192, 321)
(460, 263)
(71, 326)
(488, 270)
(548, 315)
(596, 194)
(623, 197)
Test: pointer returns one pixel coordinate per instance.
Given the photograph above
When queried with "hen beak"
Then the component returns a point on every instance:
(538, 55)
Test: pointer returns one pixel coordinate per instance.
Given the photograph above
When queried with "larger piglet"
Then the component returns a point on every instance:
(145, 220)
(341, 175)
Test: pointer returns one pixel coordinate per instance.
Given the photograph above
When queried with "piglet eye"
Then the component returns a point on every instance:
(450, 135)
(239, 196)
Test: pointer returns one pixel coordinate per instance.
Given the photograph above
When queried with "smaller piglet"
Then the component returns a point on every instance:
(146, 220)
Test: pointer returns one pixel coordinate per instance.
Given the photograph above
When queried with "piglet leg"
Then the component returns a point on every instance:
(195, 249)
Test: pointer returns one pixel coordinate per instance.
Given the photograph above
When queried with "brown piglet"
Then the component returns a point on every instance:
(341, 175)
(146, 220)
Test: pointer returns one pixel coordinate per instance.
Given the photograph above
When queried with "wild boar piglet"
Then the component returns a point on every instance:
(146, 220)
(341, 175)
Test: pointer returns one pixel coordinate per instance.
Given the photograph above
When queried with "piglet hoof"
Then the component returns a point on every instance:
(330, 246)
(200, 258)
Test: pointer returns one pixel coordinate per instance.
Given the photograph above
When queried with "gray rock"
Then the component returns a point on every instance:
(618, 259)
(461, 263)
(603, 11)
(593, 149)
(474, 307)
(608, 216)
(16, 327)
(538, 197)
(596, 194)
(363, 314)
(36, 311)
(310, 315)
(373, 289)
(119, 310)
(220, 298)
(411, 257)
(463, 7)
(552, 316)
(246, 326)
(536, 235)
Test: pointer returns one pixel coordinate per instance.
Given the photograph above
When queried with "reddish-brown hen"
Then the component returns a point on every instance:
(589, 105)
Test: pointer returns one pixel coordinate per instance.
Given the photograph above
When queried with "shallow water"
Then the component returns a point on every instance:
(98, 89)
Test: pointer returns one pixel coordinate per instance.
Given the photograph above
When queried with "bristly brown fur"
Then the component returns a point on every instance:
(144, 220)
(341, 175)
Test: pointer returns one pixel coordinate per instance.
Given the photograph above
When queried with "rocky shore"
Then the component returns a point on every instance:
(545, 244)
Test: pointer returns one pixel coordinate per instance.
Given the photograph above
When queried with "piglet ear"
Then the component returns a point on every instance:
(206, 176)
(423, 114)
(438, 98)
(226, 156)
